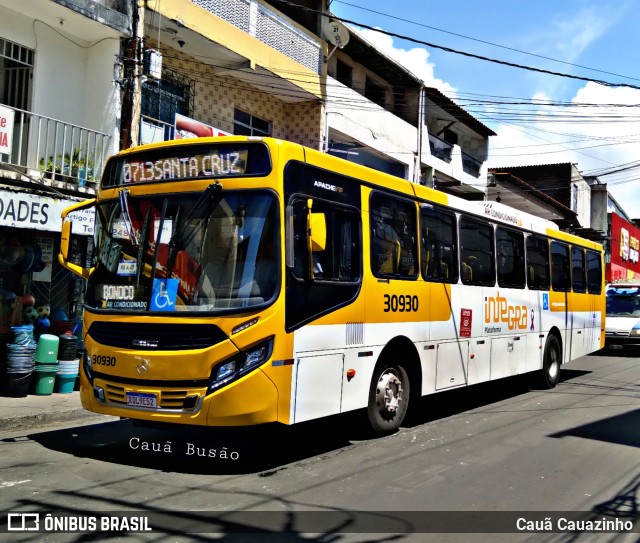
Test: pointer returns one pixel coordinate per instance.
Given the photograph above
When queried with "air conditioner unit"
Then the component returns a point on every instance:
(153, 63)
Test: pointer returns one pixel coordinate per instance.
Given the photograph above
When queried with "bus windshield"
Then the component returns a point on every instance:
(213, 251)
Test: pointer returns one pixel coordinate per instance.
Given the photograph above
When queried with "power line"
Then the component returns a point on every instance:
(459, 52)
(484, 41)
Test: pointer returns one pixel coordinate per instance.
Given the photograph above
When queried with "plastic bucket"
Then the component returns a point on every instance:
(68, 347)
(65, 382)
(15, 385)
(43, 381)
(69, 366)
(47, 349)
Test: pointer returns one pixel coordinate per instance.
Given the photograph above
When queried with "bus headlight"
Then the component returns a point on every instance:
(243, 363)
(88, 366)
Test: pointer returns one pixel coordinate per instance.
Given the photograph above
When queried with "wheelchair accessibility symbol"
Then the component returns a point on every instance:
(164, 294)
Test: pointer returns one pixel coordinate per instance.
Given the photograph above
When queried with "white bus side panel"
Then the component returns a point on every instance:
(318, 386)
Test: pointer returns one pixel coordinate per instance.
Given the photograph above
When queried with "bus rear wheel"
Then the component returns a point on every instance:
(388, 398)
(551, 362)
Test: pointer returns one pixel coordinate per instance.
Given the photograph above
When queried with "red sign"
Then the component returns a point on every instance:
(465, 322)
(625, 245)
(6, 129)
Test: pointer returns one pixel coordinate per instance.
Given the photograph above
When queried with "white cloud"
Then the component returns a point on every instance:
(415, 60)
(600, 137)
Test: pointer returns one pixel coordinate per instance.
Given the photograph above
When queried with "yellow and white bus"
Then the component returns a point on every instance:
(240, 281)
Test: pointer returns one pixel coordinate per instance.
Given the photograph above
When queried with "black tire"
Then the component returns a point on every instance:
(551, 362)
(388, 398)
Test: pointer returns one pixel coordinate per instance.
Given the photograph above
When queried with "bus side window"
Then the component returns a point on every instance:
(578, 276)
(393, 231)
(385, 242)
(594, 272)
(537, 254)
(439, 259)
(560, 272)
(477, 265)
(510, 253)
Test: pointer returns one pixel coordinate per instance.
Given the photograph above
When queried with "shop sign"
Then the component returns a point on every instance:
(628, 246)
(6, 130)
(35, 212)
(625, 245)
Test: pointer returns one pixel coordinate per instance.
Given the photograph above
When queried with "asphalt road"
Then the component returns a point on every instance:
(498, 452)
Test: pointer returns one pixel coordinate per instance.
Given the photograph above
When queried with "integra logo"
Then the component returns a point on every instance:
(327, 186)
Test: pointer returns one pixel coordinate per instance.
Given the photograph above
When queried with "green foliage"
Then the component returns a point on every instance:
(71, 167)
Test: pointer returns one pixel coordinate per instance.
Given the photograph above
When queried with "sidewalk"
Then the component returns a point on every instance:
(17, 413)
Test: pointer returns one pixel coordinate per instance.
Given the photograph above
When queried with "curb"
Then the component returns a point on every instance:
(39, 410)
(38, 419)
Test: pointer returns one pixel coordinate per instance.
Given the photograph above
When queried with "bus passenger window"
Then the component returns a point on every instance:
(510, 257)
(538, 277)
(594, 272)
(578, 277)
(393, 237)
(476, 252)
(438, 237)
(385, 242)
(560, 272)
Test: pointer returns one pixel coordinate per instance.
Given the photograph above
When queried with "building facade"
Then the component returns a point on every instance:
(59, 120)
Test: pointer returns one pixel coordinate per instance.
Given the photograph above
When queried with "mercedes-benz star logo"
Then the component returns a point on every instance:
(143, 366)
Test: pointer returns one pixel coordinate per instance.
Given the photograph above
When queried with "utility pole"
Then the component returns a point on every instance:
(132, 75)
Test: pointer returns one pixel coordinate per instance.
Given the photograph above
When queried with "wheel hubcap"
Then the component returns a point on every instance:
(553, 365)
(388, 392)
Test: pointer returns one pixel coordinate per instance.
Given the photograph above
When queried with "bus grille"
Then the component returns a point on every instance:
(169, 399)
(156, 337)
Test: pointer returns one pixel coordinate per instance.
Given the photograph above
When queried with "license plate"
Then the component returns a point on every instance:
(139, 399)
(615, 347)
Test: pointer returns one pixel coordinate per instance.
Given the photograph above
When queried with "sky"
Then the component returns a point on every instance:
(539, 118)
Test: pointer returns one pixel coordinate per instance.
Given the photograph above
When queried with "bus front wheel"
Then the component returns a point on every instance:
(388, 398)
(551, 363)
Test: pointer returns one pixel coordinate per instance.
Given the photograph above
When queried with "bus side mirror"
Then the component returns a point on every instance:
(63, 256)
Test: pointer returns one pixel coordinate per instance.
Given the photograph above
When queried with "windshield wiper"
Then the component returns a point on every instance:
(208, 201)
(126, 217)
(141, 250)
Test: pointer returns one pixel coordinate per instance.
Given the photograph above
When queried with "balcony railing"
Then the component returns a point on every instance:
(58, 150)
(269, 27)
(440, 148)
(471, 165)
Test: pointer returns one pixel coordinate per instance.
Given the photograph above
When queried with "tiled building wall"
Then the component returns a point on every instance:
(216, 96)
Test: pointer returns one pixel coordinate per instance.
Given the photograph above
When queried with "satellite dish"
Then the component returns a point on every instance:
(336, 33)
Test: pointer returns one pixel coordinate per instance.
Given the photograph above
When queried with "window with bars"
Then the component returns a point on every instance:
(245, 124)
(16, 72)
(163, 98)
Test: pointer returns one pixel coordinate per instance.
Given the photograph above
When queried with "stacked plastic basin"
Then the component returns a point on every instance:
(68, 363)
(19, 363)
(46, 365)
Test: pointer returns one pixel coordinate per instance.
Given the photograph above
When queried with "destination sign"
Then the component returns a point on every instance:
(210, 165)
(185, 162)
